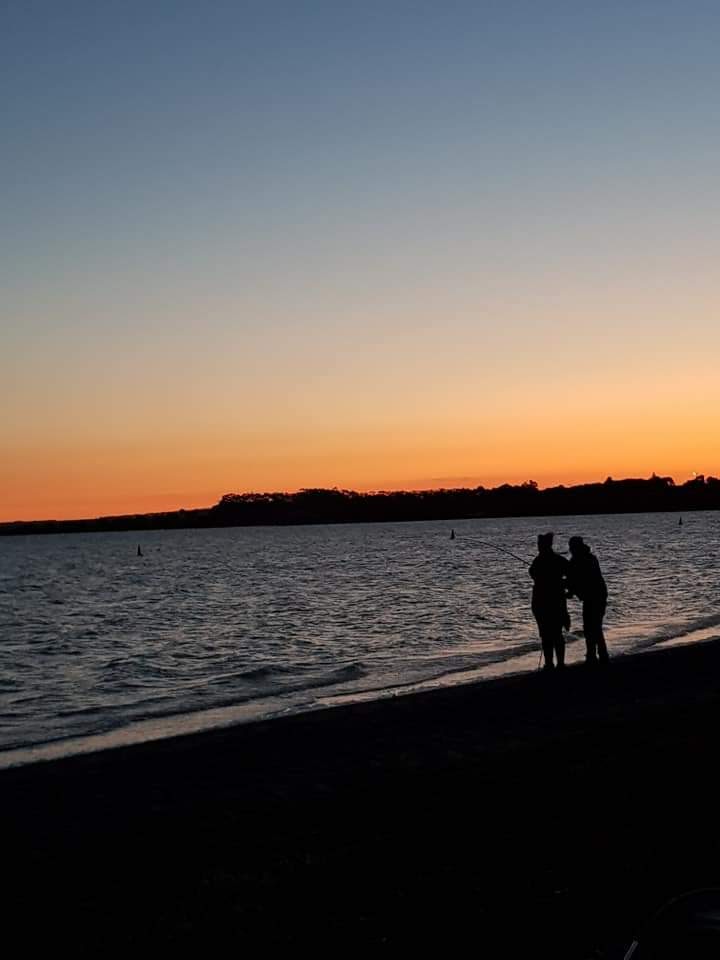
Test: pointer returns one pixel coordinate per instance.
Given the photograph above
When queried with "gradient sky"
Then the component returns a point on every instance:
(268, 245)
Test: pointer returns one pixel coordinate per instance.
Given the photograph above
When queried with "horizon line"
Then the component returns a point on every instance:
(348, 490)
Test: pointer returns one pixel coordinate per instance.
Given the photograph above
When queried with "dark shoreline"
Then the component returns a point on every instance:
(547, 813)
(321, 506)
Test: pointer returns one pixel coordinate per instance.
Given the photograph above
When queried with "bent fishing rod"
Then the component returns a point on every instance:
(509, 553)
(494, 546)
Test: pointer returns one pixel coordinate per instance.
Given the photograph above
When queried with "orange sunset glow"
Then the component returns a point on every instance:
(579, 441)
(396, 284)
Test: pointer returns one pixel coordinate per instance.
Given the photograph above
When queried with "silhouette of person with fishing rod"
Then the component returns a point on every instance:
(549, 571)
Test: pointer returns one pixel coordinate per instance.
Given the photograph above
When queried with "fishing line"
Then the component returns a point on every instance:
(494, 546)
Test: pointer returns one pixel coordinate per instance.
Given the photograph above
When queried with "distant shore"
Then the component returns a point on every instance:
(318, 506)
(547, 813)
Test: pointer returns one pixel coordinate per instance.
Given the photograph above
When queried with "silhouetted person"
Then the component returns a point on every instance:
(452, 534)
(586, 582)
(139, 552)
(549, 604)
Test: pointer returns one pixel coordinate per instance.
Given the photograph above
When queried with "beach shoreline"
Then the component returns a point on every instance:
(576, 802)
(179, 724)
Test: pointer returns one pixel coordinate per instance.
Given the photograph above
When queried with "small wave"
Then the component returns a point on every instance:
(251, 675)
(83, 711)
(677, 631)
(258, 673)
(123, 711)
(116, 662)
(353, 671)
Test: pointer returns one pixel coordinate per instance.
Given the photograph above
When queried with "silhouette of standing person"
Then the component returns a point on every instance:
(549, 604)
(586, 582)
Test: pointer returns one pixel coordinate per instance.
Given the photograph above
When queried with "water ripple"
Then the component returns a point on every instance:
(93, 637)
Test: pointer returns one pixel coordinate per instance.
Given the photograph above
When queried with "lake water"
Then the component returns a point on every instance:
(99, 646)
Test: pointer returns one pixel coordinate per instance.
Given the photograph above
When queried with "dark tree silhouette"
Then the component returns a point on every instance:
(319, 505)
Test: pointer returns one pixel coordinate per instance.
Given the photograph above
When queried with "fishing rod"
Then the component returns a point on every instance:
(494, 546)
(509, 553)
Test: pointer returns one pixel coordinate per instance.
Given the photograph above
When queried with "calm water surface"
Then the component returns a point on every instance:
(99, 646)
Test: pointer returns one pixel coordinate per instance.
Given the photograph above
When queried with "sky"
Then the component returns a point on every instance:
(373, 245)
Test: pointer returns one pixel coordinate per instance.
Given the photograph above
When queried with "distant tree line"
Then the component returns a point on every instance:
(348, 506)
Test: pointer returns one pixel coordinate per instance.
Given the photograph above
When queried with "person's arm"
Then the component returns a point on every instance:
(570, 586)
(598, 578)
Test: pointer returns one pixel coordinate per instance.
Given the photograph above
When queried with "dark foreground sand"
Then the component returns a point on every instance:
(531, 816)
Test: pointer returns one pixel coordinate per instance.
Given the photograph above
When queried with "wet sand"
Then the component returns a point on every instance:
(517, 817)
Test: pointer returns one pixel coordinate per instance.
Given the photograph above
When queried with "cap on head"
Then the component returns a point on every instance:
(545, 541)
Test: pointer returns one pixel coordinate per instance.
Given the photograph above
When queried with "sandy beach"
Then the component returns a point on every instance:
(512, 817)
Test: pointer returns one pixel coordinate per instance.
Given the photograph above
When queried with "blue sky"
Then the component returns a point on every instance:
(249, 194)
